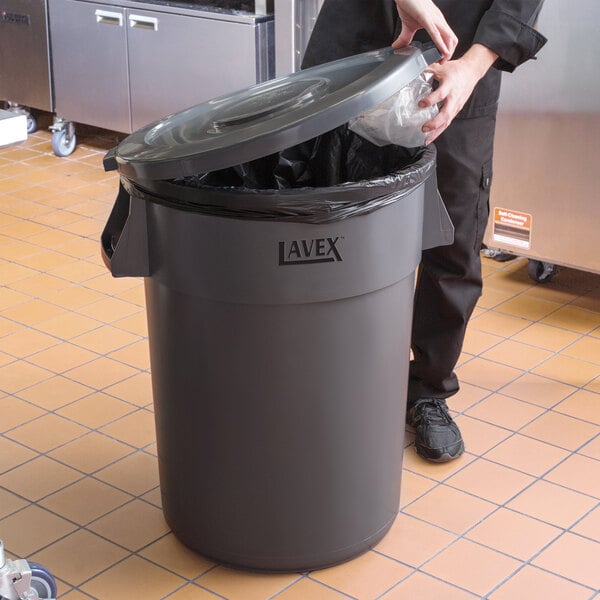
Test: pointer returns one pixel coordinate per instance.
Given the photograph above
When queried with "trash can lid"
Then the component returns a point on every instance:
(267, 117)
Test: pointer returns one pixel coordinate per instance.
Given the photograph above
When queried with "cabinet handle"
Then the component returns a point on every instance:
(142, 22)
(109, 18)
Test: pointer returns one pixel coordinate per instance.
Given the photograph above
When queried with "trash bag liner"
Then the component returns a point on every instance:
(359, 178)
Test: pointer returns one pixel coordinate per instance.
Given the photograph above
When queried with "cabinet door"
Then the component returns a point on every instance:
(89, 58)
(178, 61)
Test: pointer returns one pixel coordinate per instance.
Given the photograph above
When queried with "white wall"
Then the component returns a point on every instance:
(566, 75)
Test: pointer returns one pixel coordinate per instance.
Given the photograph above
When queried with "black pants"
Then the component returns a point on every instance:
(449, 279)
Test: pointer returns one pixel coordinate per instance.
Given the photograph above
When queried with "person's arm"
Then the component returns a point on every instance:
(424, 14)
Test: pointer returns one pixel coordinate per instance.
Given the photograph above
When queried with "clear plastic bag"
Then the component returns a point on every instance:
(398, 120)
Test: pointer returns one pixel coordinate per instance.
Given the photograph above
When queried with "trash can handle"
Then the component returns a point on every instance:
(124, 240)
(438, 229)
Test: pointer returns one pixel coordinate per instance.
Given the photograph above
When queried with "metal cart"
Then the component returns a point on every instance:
(545, 201)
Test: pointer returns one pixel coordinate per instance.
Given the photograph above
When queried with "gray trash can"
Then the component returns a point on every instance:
(279, 319)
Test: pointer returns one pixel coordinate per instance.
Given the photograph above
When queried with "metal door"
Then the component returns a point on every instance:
(89, 50)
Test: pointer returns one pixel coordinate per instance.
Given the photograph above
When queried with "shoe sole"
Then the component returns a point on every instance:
(442, 458)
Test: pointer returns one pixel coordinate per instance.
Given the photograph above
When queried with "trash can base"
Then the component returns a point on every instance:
(283, 564)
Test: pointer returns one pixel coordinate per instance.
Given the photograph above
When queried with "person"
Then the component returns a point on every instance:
(478, 39)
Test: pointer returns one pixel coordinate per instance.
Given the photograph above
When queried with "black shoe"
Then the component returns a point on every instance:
(438, 437)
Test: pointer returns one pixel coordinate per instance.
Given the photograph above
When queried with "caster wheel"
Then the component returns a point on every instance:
(540, 271)
(31, 123)
(42, 581)
(62, 145)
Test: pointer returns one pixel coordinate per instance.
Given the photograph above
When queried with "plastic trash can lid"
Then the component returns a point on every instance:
(267, 117)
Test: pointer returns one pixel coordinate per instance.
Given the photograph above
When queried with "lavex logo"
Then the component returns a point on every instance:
(302, 252)
(18, 19)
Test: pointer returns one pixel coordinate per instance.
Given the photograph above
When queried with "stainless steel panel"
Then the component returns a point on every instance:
(89, 50)
(24, 53)
(294, 22)
(547, 149)
(178, 61)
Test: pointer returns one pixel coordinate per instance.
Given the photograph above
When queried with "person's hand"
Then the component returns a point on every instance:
(424, 14)
(457, 80)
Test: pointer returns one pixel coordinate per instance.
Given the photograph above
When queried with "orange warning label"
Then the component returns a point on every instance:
(512, 227)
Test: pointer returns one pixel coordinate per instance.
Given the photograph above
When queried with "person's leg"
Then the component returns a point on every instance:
(449, 284)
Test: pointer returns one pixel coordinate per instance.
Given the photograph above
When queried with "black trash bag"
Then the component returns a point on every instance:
(334, 176)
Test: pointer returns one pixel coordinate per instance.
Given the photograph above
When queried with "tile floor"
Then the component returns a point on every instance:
(516, 517)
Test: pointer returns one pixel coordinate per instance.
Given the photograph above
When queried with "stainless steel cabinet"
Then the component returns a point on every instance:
(121, 66)
(89, 55)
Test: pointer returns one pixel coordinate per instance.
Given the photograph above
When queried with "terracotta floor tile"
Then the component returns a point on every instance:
(101, 373)
(109, 310)
(538, 390)
(106, 339)
(552, 504)
(137, 428)
(490, 481)
(367, 576)
(135, 295)
(33, 312)
(568, 370)
(91, 452)
(10, 503)
(472, 567)
(574, 319)
(504, 411)
(85, 501)
(15, 412)
(170, 553)
(412, 541)
(193, 592)
(135, 324)
(527, 455)
(55, 392)
(517, 355)
(86, 227)
(136, 389)
(133, 526)
(423, 587)
(561, 430)
(62, 357)
(487, 374)
(7, 327)
(73, 297)
(77, 271)
(13, 454)
(527, 307)
(592, 449)
(307, 588)
(413, 486)
(135, 474)
(478, 436)
(136, 355)
(132, 578)
(467, 396)
(112, 286)
(513, 534)
(240, 585)
(535, 584)
(38, 478)
(581, 405)
(499, 324)
(51, 238)
(57, 218)
(25, 342)
(461, 510)
(40, 286)
(31, 529)
(10, 299)
(594, 385)
(491, 297)
(47, 260)
(578, 473)
(79, 557)
(68, 325)
(46, 432)
(96, 410)
(573, 557)
(587, 348)
(477, 341)
(153, 497)
(17, 376)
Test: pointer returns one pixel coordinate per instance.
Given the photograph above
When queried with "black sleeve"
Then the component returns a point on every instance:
(508, 28)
